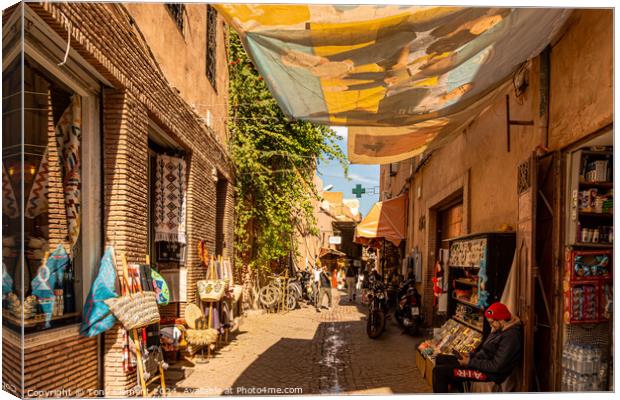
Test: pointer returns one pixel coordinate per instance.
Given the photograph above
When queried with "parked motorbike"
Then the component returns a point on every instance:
(407, 312)
(377, 307)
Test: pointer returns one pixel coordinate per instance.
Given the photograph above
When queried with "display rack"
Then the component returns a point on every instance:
(478, 267)
(588, 286)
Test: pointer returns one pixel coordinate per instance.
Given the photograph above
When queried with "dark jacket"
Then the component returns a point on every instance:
(500, 353)
(326, 281)
(350, 272)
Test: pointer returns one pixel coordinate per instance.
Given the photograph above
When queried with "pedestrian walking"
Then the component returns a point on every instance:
(325, 288)
(316, 282)
(350, 279)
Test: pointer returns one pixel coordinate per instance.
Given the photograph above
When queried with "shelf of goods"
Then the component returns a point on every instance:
(591, 199)
(588, 286)
(478, 268)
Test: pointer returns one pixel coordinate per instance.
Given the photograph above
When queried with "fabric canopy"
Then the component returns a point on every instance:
(386, 219)
(427, 69)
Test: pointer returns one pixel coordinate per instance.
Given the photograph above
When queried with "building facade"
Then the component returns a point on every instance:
(497, 176)
(135, 97)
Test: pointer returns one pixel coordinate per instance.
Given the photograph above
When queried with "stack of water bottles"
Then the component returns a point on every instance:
(583, 368)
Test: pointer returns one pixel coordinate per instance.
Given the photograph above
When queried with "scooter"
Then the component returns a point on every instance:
(407, 312)
(377, 303)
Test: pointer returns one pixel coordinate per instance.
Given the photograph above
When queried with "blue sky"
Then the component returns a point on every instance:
(365, 175)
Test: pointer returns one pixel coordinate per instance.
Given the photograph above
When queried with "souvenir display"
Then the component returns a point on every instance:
(587, 286)
(452, 336)
(170, 188)
(96, 316)
(160, 287)
(68, 135)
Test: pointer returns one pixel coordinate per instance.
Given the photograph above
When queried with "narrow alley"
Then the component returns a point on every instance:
(310, 352)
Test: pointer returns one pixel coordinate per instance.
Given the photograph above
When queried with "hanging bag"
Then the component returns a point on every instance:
(134, 310)
(210, 289)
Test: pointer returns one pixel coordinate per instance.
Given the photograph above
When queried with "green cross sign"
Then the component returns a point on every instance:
(358, 191)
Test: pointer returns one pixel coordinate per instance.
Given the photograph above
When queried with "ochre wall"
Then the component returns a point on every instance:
(182, 57)
(582, 78)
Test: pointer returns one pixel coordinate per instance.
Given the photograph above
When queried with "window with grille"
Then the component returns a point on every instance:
(211, 44)
(177, 11)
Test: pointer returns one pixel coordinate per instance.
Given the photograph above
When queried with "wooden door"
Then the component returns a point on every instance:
(539, 265)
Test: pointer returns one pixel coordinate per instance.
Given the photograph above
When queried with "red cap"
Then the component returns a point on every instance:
(498, 312)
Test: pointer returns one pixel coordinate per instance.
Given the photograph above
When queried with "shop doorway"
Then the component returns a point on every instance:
(449, 225)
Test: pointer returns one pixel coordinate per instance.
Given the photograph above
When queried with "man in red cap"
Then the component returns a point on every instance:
(495, 360)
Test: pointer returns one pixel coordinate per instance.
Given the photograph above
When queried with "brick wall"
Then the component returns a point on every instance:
(105, 35)
(47, 357)
(125, 179)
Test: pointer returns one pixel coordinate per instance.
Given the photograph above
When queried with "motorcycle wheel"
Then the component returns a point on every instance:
(375, 325)
(291, 301)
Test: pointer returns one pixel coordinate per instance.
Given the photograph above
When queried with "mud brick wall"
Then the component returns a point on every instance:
(106, 36)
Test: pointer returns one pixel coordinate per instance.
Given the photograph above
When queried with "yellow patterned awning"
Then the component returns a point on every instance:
(426, 70)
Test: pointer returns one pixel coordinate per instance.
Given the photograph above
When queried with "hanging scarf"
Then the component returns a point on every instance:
(69, 136)
(37, 199)
(97, 315)
(9, 202)
(170, 199)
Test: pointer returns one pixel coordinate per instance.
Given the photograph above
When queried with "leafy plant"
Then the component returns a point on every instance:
(275, 160)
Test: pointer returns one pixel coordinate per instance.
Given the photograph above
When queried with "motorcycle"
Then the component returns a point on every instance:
(377, 297)
(407, 312)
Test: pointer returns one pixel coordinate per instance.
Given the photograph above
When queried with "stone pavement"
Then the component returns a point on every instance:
(326, 352)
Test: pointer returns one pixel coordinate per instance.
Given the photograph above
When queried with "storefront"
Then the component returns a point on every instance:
(111, 156)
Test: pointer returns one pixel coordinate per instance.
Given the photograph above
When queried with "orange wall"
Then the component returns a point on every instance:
(582, 78)
(182, 57)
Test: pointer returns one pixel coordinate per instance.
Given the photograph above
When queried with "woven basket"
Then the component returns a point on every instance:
(201, 337)
(211, 289)
(135, 310)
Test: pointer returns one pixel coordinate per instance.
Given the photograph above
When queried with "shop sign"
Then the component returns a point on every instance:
(335, 240)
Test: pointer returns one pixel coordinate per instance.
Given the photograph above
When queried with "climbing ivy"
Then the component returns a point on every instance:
(275, 159)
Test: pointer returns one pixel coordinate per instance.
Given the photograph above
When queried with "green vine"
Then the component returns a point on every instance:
(275, 160)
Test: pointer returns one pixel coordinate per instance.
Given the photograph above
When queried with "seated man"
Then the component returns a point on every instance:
(494, 362)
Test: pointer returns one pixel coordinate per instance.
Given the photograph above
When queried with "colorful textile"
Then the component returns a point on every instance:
(7, 281)
(44, 282)
(170, 190)
(161, 288)
(97, 316)
(37, 199)
(69, 137)
(418, 67)
(9, 202)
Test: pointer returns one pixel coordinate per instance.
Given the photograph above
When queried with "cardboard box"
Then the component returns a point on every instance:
(420, 362)
(428, 372)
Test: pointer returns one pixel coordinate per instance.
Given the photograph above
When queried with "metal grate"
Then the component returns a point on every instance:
(177, 11)
(211, 44)
(523, 179)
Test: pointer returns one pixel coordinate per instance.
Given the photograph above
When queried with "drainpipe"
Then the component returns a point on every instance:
(545, 80)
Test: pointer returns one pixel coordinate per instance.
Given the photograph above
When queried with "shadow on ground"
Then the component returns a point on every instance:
(339, 358)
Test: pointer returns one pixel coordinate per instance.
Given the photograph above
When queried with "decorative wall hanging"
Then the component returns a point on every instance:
(170, 199)
(37, 199)
(69, 137)
(9, 202)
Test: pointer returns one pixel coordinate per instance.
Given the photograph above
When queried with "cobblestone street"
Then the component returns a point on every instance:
(326, 352)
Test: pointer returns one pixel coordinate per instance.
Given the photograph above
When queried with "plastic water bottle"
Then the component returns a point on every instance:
(580, 361)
